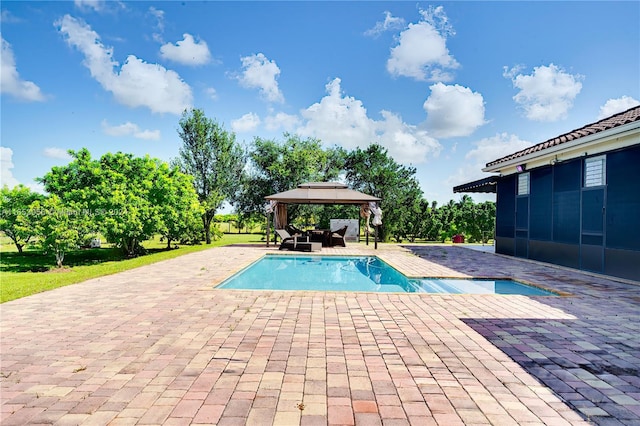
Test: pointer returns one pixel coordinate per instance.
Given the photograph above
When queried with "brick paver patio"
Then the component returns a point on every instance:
(159, 345)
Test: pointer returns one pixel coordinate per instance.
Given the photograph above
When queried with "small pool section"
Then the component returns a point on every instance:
(359, 273)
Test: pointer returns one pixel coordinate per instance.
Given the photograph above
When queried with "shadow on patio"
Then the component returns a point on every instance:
(591, 362)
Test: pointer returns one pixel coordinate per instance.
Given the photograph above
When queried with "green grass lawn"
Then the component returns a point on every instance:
(31, 272)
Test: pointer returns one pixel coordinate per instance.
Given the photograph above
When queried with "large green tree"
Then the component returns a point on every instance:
(374, 172)
(16, 220)
(215, 160)
(182, 212)
(126, 198)
(277, 166)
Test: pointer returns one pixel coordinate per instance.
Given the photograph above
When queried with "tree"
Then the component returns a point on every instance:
(57, 226)
(477, 221)
(374, 172)
(127, 198)
(432, 223)
(211, 155)
(181, 210)
(281, 166)
(16, 220)
(248, 221)
(416, 226)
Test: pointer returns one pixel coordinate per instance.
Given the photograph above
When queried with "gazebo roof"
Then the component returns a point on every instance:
(322, 193)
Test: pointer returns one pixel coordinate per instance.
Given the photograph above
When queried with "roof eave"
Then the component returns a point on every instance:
(552, 151)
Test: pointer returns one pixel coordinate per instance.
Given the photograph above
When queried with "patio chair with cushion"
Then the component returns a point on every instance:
(296, 242)
(293, 231)
(284, 235)
(337, 237)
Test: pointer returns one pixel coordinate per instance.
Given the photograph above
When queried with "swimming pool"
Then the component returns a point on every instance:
(358, 273)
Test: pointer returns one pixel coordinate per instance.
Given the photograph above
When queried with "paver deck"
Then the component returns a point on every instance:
(160, 345)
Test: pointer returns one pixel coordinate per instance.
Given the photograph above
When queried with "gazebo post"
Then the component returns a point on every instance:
(268, 229)
(366, 233)
(376, 237)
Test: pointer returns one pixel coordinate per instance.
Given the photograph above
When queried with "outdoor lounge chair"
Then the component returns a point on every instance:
(337, 237)
(296, 242)
(293, 231)
(284, 235)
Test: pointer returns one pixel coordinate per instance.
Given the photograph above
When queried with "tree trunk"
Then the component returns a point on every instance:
(168, 243)
(129, 246)
(14, 238)
(59, 258)
(207, 230)
(207, 217)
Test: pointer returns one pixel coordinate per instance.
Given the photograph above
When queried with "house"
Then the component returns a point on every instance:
(573, 200)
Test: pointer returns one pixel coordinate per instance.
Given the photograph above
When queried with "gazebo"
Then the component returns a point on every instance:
(314, 193)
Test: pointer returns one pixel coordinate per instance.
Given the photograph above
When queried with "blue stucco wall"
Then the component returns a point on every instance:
(560, 221)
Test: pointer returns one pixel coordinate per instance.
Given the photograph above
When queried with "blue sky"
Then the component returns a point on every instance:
(446, 87)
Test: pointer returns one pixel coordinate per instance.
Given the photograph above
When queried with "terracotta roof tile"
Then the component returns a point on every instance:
(628, 116)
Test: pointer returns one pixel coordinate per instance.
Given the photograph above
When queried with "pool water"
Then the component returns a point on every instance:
(358, 273)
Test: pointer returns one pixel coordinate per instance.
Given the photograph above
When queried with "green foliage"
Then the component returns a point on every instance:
(335, 211)
(128, 199)
(475, 221)
(249, 221)
(374, 172)
(281, 166)
(15, 219)
(57, 226)
(239, 222)
(211, 155)
(181, 212)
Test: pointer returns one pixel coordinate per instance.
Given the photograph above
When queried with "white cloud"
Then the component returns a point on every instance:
(547, 94)
(453, 111)
(390, 23)
(342, 120)
(421, 52)
(187, 52)
(281, 120)
(138, 83)
(338, 120)
(7, 17)
(261, 73)
(485, 151)
(10, 81)
(498, 146)
(405, 143)
(100, 6)
(614, 106)
(96, 5)
(130, 129)
(148, 135)
(211, 93)
(159, 16)
(6, 164)
(57, 153)
(246, 123)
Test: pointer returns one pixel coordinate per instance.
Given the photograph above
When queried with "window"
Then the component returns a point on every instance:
(595, 171)
(523, 184)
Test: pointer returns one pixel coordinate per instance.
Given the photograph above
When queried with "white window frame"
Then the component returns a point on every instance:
(524, 183)
(595, 171)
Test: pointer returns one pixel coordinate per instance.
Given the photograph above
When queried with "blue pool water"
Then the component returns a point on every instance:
(358, 273)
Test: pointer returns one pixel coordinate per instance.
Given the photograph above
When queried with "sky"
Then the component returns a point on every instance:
(445, 87)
